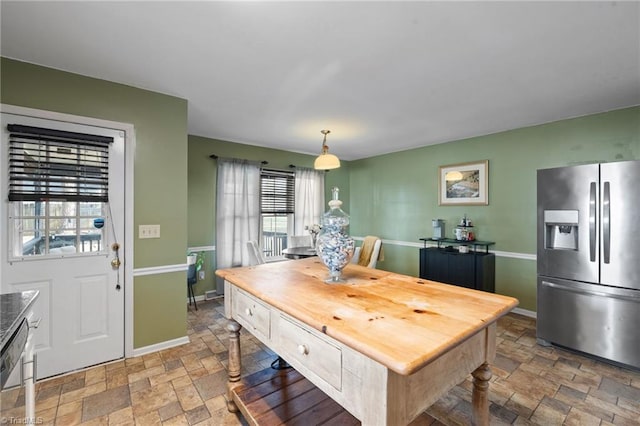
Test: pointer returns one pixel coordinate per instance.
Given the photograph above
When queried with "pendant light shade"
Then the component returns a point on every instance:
(326, 161)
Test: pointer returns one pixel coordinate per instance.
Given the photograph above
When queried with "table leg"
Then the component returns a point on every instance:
(234, 362)
(480, 396)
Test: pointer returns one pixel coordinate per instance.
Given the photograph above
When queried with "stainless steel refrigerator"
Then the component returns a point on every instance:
(589, 259)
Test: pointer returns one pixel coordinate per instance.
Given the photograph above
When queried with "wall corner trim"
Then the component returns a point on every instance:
(160, 346)
(153, 270)
(202, 248)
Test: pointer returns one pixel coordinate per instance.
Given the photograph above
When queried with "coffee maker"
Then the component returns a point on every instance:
(438, 228)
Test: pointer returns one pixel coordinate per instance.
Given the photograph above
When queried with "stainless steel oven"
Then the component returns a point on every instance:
(11, 353)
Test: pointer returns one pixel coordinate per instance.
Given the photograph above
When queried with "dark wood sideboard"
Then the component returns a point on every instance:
(444, 263)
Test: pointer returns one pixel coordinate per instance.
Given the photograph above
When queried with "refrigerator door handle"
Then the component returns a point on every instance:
(592, 222)
(590, 292)
(606, 222)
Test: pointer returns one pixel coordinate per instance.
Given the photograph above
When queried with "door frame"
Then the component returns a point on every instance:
(129, 149)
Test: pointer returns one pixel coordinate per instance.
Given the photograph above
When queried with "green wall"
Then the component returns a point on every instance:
(160, 177)
(202, 185)
(395, 196)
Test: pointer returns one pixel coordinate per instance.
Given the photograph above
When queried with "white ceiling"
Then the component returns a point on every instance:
(382, 76)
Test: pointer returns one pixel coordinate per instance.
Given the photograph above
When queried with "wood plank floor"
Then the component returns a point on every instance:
(531, 385)
(285, 397)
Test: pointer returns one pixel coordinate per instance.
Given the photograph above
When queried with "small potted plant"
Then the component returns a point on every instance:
(197, 259)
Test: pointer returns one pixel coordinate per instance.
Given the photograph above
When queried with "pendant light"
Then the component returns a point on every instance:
(326, 161)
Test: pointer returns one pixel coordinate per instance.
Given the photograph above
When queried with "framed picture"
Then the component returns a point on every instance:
(465, 184)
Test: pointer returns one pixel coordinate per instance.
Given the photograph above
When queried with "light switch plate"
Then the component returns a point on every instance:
(148, 231)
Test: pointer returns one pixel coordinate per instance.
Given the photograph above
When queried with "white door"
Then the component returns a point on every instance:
(65, 249)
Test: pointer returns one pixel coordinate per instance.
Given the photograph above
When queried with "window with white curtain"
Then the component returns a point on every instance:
(309, 199)
(264, 205)
(237, 212)
(289, 202)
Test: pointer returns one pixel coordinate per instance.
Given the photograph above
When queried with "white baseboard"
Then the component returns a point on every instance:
(525, 312)
(202, 298)
(160, 346)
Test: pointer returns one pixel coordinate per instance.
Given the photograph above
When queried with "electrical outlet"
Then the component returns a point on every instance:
(148, 231)
(201, 276)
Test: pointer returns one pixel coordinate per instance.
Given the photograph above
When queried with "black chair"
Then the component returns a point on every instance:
(192, 278)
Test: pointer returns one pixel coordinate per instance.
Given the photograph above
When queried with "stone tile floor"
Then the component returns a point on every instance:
(531, 385)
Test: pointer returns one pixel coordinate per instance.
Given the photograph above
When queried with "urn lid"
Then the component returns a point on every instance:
(335, 216)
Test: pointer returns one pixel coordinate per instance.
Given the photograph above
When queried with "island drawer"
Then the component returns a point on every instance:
(251, 313)
(311, 352)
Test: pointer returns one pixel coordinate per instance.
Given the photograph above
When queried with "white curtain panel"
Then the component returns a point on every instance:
(237, 212)
(309, 201)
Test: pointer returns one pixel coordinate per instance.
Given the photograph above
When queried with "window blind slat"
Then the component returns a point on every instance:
(31, 131)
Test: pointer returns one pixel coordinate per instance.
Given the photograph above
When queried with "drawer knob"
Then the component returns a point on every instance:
(303, 349)
(248, 312)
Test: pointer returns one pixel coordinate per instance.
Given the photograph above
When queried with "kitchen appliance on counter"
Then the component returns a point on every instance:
(438, 228)
(588, 268)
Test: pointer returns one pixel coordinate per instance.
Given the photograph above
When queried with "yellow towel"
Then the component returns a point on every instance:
(367, 250)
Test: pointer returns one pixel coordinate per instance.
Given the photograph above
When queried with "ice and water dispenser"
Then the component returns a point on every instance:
(561, 229)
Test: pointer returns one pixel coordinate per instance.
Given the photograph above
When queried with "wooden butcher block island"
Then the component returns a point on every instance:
(384, 346)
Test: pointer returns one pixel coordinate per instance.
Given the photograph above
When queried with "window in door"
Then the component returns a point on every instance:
(277, 200)
(58, 186)
(41, 228)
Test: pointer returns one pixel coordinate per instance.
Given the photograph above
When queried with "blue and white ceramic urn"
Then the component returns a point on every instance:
(334, 246)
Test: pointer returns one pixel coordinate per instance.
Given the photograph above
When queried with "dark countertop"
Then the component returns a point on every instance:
(13, 308)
